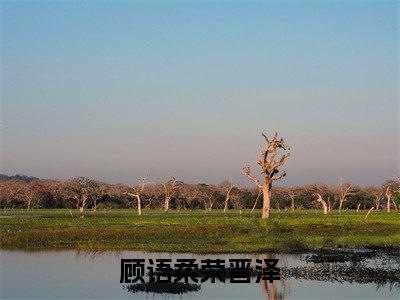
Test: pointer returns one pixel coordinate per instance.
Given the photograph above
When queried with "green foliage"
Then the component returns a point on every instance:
(396, 196)
(357, 196)
(43, 199)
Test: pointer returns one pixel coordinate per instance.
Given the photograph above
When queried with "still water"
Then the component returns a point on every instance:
(82, 275)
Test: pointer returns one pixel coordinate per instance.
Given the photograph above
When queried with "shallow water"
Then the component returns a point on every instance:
(81, 275)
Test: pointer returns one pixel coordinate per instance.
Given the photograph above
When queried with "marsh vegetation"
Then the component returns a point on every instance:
(197, 231)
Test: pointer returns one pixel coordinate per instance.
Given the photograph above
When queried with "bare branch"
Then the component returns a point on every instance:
(276, 177)
(265, 137)
(246, 172)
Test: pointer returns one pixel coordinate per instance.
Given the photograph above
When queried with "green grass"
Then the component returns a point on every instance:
(197, 231)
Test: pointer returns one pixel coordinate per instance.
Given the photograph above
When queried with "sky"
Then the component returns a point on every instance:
(118, 90)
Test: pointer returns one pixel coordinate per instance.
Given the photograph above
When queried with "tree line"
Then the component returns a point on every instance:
(84, 193)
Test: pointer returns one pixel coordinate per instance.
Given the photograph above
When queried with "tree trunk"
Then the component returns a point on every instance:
(255, 203)
(226, 205)
(211, 205)
(388, 196)
(166, 204)
(82, 207)
(139, 206)
(266, 202)
(324, 205)
(358, 206)
(366, 216)
(95, 205)
(394, 204)
(378, 203)
(81, 210)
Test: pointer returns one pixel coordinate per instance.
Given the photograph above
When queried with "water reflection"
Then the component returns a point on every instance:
(378, 267)
(275, 290)
(326, 273)
(177, 288)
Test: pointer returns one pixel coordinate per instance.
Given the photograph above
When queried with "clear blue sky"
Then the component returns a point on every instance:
(117, 90)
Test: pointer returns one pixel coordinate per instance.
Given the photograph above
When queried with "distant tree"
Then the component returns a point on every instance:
(323, 203)
(13, 193)
(137, 191)
(269, 169)
(360, 198)
(280, 197)
(391, 187)
(17, 177)
(237, 199)
(43, 199)
(81, 190)
(227, 186)
(343, 193)
(292, 195)
(205, 194)
(376, 193)
(256, 201)
(170, 188)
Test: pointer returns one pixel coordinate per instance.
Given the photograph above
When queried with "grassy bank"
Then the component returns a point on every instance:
(196, 231)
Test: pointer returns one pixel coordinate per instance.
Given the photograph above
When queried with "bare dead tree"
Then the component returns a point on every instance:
(269, 169)
(208, 202)
(388, 194)
(369, 211)
(97, 194)
(170, 188)
(378, 195)
(237, 202)
(324, 205)
(331, 206)
(292, 195)
(138, 191)
(396, 193)
(81, 189)
(343, 193)
(255, 202)
(392, 192)
(228, 194)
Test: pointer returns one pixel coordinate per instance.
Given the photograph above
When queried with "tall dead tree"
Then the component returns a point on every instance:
(170, 188)
(269, 169)
(138, 191)
(228, 194)
(344, 191)
(324, 205)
